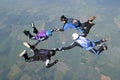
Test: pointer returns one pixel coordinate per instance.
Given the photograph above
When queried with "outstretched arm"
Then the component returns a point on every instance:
(41, 39)
(70, 46)
(56, 30)
(65, 27)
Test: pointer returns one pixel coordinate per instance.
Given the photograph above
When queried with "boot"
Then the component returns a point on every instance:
(22, 53)
(105, 39)
(105, 47)
(27, 33)
(91, 19)
(102, 48)
(33, 25)
(50, 65)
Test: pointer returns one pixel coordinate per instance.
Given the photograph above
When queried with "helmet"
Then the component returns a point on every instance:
(48, 33)
(63, 18)
(75, 36)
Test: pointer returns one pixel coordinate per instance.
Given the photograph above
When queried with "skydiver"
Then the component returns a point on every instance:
(39, 55)
(39, 35)
(86, 44)
(83, 28)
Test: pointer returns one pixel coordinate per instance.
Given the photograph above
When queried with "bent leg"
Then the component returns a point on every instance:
(88, 24)
(94, 51)
(35, 30)
(29, 46)
(48, 65)
(87, 27)
(101, 49)
(98, 43)
(28, 34)
(30, 59)
(27, 59)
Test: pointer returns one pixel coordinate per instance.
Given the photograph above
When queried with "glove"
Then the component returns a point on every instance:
(60, 49)
(57, 29)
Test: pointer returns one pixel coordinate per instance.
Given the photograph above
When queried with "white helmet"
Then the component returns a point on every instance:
(75, 36)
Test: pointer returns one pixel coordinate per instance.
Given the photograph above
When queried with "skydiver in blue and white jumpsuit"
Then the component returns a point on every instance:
(86, 44)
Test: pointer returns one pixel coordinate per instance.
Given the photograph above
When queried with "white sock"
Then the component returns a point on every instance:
(47, 62)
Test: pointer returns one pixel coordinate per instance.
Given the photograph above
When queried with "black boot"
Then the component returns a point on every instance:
(105, 47)
(102, 48)
(27, 33)
(50, 65)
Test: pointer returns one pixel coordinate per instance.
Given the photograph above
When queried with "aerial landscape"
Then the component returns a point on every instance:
(74, 64)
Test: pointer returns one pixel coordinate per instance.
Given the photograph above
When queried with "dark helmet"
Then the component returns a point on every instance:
(62, 18)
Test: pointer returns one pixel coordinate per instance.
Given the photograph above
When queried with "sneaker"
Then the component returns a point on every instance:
(22, 53)
(91, 18)
(26, 32)
(105, 47)
(26, 44)
(105, 39)
(32, 24)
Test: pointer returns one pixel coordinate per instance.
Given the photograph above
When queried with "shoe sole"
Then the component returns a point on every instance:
(105, 47)
(22, 53)
(26, 44)
(91, 18)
